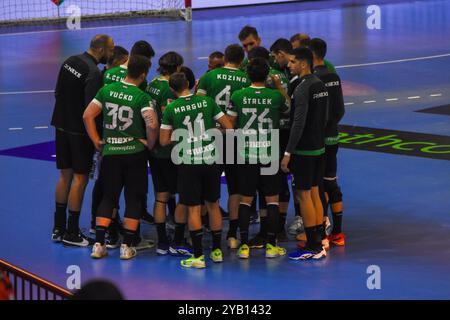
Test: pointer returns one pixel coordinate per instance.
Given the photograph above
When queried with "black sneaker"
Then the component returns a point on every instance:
(77, 239)
(58, 234)
(257, 242)
(147, 218)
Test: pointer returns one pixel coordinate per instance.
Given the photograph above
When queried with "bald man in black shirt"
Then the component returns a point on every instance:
(305, 150)
(79, 80)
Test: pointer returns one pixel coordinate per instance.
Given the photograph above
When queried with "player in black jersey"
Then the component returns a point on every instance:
(305, 149)
(336, 111)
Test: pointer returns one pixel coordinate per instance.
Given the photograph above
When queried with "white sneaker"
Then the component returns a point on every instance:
(127, 252)
(233, 243)
(145, 244)
(99, 251)
(296, 226)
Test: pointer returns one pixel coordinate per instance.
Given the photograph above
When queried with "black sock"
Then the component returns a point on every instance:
(129, 237)
(282, 221)
(196, 237)
(217, 239)
(60, 216)
(100, 234)
(272, 223)
(113, 229)
(297, 209)
(232, 231)
(318, 237)
(309, 231)
(179, 233)
(244, 222)
(171, 205)
(97, 194)
(337, 222)
(162, 233)
(323, 200)
(73, 226)
(263, 227)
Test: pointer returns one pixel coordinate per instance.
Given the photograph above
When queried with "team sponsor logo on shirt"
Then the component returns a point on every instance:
(320, 95)
(332, 84)
(72, 71)
(119, 140)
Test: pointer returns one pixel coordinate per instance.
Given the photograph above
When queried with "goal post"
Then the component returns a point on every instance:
(15, 13)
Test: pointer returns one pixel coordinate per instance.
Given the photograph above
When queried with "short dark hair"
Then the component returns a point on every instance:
(178, 82)
(143, 48)
(234, 53)
(216, 55)
(248, 31)
(258, 52)
(138, 65)
(99, 41)
(318, 47)
(281, 44)
(119, 53)
(258, 69)
(189, 76)
(98, 290)
(169, 63)
(303, 53)
(303, 38)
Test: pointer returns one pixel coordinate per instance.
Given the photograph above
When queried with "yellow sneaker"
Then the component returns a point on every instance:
(216, 255)
(274, 251)
(243, 252)
(193, 262)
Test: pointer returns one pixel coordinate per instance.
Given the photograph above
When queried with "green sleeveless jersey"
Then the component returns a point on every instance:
(196, 116)
(258, 111)
(160, 92)
(221, 83)
(118, 74)
(123, 123)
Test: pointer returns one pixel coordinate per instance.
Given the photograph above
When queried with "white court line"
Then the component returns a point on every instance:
(393, 61)
(202, 58)
(414, 97)
(53, 155)
(370, 101)
(41, 127)
(348, 103)
(26, 92)
(392, 99)
(14, 129)
(436, 95)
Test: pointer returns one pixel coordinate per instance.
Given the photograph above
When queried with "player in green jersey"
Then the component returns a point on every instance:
(256, 112)
(193, 119)
(119, 73)
(220, 84)
(275, 77)
(129, 128)
(164, 172)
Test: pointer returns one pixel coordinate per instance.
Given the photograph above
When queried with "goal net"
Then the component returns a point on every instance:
(17, 12)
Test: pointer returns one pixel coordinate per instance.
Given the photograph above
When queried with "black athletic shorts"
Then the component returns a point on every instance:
(307, 171)
(164, 175)
(130, 173)
(198, 183)
(74, 151)
(251, 180)
(331, 160)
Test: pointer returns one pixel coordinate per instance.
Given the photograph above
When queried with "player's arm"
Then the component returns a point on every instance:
(279, 86)
(151, 125)
(93, 83)
(93, 111)
(232, 112)
(224, 121)
(340, 107)
(201, 87)
(301, 97)
(165, 131)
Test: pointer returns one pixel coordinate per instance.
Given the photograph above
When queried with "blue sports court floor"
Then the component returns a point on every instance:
(397, 205)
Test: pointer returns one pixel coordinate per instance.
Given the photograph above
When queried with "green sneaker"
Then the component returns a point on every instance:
(193, 262)
(216, 255)
(274, 251)
(243, 252)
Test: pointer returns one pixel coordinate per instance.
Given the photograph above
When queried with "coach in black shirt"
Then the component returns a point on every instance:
(79, 80)
(305, 149)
